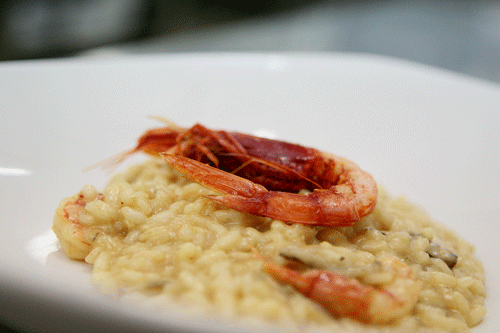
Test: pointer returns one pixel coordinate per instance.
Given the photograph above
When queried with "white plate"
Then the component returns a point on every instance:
(428, 134)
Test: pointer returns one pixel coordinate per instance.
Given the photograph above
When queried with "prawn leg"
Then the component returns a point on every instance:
(214, 178)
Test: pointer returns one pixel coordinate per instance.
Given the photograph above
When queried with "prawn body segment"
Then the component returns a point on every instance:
(262, 176)
(323, 210)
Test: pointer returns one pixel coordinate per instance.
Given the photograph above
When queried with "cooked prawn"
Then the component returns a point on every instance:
(346, 297)
(68, 230)
(262, 176)
(76, 238)
(353, 196)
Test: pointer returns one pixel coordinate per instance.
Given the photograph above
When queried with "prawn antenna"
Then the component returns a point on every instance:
(109, 164)
(164, 120)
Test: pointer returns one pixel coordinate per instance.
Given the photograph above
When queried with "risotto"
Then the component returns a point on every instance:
(152, 232)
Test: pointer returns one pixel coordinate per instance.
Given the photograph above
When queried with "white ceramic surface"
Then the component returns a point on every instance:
(431, 135)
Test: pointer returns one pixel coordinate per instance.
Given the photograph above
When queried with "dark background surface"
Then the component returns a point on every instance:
(455, 35)
(44, 28)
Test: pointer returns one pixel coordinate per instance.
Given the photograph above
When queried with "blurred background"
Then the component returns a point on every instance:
(462, 36)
